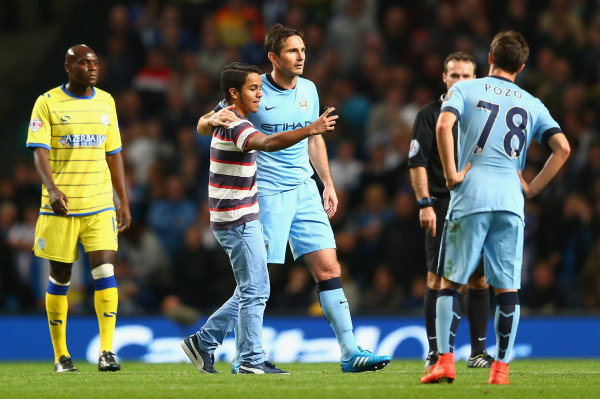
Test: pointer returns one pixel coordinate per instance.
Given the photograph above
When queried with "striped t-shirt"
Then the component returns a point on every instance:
(232, 197)
(78, 133)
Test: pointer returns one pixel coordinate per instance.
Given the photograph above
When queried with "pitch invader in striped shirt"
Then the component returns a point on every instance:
(74, 134)
(233, 203)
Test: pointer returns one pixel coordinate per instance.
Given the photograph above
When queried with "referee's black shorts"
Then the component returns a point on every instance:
(432, 244)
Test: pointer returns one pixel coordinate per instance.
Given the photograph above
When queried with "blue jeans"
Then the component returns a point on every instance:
(246, 249)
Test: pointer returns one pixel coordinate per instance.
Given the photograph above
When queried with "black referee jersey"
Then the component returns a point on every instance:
(424, 150)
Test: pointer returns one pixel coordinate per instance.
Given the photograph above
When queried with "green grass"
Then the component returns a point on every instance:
(529, 379)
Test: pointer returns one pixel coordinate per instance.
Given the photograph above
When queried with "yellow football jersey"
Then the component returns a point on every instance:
(78, 132)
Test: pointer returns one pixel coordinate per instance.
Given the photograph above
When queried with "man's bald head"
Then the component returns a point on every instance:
(76, 52)
(81, 64)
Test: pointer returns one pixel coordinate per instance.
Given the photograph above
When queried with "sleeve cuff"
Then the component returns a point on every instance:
(33, 146)
(452, 110)
(246, 141)
(114, 151)
(549, 133)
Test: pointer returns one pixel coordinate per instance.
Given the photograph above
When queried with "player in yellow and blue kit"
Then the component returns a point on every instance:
(497, 121)
(74, 134)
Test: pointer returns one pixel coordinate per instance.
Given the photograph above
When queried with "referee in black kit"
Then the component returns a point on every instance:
(427, 179)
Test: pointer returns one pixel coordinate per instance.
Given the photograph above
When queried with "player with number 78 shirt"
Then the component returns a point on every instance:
(497, 121)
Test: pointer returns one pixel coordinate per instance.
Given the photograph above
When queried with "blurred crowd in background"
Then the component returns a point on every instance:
(378, 63)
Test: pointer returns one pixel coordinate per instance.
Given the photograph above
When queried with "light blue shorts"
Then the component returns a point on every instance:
(497, 235)
(295, 216)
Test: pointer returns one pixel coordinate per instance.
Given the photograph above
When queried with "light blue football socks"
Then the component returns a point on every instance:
(336, 310)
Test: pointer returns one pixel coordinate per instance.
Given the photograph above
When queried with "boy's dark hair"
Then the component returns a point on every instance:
(459, 56)
(234, 75)
(276, 36)
(509, 51)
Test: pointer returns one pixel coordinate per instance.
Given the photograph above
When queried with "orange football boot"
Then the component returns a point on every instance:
(442, 371)
(499, 373)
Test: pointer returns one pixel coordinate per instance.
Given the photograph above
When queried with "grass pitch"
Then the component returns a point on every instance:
(529, 379)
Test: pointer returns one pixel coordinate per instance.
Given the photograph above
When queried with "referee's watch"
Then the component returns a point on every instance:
(425, 202)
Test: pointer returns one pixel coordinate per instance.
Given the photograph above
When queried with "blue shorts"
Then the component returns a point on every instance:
(497, 235)
(295, 216)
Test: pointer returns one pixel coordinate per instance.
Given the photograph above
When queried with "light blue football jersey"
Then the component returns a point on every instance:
(283, 110)
(497, 121)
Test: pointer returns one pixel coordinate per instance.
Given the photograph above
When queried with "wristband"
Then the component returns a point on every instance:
(425, 202)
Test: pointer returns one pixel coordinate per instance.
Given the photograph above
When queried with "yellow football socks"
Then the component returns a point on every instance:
(106, 300)
(57, 308)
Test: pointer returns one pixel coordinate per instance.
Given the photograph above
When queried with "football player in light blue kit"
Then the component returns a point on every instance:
(290, 204)
(497, 121)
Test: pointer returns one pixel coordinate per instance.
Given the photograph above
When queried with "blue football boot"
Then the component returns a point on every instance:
(365, 360)
(235, 367)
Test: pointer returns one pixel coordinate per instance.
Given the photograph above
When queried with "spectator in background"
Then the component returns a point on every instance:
(152, 82)
(8, 218)
(591, 171)
(590, 279)
(383, 295)
(241, 26)
(176, 116)
(194, 265)
(544, 293)
(314, 36)
(576, 241)
(377, 169)
(145, 148)
(561, 26)
(26, 185)
(174, 39)
(123, 52)
(370, 223)
(346, 168)
(120, 26)
(8, 297)
(350, 26)
(402, 235)
(212, 55)
(130, 300)
(353, 109)
(395, 33)
(169, 217)
(21, 237)
(386, 114)
(297, 293)
(130, 107)
(416, 296)
(119, 65)
(141, 250)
